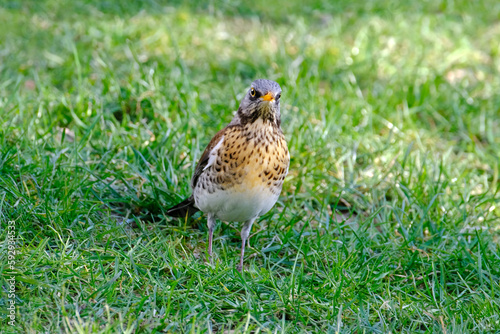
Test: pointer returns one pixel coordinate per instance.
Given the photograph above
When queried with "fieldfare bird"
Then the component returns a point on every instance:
(241, 172)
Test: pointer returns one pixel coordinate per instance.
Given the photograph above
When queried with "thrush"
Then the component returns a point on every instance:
(241, 172)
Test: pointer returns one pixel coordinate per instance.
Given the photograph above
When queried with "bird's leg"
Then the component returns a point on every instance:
(211, 224)
(245, 232)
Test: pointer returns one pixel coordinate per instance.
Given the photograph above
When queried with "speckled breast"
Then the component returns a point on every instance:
(247, 175)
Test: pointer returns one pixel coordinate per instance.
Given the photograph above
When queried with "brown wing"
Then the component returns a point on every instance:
(205, 157)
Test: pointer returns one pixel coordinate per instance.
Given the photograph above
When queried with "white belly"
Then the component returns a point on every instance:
(229, 205)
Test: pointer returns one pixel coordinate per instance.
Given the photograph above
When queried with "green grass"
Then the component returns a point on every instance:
(389, 220)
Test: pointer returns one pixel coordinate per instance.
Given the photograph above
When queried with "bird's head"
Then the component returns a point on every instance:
(262, 101)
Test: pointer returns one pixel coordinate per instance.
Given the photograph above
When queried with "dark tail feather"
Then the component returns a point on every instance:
(184, 209)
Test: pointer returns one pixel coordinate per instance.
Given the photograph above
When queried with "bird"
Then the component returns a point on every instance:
(240, 174)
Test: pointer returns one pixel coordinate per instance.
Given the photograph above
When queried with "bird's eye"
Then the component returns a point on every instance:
(278, 96)
(253, 92)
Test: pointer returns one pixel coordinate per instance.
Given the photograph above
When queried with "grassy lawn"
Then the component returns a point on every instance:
(389, 220)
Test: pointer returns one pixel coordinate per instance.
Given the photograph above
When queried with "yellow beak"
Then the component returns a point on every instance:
(268, 97)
